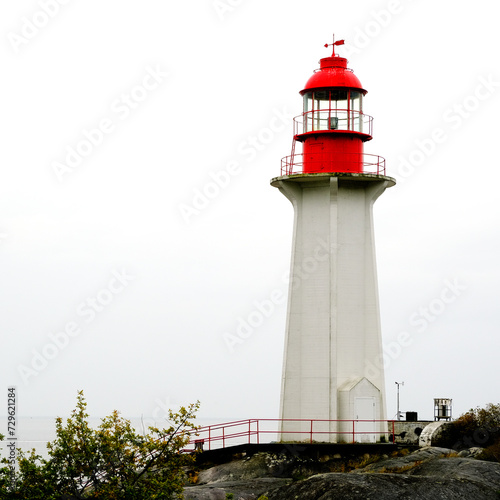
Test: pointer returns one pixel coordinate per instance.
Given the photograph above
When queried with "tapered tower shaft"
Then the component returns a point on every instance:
(333, 331)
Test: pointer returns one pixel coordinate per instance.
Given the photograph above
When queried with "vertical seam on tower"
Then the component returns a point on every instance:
(333, 244)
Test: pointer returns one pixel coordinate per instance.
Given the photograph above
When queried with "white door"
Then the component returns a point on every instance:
(364, 409)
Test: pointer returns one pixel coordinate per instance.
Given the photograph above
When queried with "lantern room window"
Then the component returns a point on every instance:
(333, 109)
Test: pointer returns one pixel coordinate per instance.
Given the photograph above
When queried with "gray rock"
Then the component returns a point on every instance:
(247, 479)
(462, 469)
(336, 486)
(433, 433)
(471, 452)
(248, 468)
(427, 474)
(400, 464)
(242, 490)
(423, 475)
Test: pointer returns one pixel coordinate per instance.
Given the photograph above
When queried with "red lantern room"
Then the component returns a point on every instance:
(332, 127)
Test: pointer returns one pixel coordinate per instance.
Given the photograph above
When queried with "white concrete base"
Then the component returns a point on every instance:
(333, 325)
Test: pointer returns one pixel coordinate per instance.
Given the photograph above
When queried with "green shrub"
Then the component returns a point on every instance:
(491, 453)
(477, 427)
(112, 461)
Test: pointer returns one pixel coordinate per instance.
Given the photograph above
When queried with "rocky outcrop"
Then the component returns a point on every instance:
(435, 434)
(246, 479)
(426, 474)
(384, 487)
(242, 490)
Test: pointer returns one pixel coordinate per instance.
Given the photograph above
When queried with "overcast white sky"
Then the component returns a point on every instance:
(119, 228)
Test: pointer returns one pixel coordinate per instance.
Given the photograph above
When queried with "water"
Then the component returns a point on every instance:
(31, 432)
(36, 432)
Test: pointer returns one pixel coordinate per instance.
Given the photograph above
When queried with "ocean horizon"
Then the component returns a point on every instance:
(36, 432)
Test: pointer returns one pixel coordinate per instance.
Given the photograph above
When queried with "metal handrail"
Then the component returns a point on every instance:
(245, 430)
(333, 119)
(369, 164)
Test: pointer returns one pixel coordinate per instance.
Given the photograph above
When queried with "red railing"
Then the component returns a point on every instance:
(368, 164)
(260, 431)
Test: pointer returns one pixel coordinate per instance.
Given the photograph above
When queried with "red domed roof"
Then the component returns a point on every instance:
(333, 72)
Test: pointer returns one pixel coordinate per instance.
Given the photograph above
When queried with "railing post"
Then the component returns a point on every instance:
(258, 440)
(393, 434)
(353, 431)
(223, 437)
(311, 440)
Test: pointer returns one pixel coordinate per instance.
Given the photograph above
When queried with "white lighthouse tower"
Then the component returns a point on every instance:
(333, 321)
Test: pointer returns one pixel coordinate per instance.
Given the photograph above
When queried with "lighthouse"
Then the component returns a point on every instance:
(333, 334)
